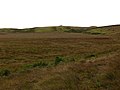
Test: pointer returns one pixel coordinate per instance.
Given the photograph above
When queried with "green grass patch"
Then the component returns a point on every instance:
(44, 29)
(96, 31)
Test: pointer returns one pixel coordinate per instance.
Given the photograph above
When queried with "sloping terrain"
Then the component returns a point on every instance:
(60, 58)
(113, 29)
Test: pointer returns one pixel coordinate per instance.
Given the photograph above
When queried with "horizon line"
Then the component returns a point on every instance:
(60, 25)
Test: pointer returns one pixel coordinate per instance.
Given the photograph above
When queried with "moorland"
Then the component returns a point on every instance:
(60, 58)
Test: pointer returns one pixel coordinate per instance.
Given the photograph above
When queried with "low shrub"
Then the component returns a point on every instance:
(58, 60)
(37, 64)
(4, 72)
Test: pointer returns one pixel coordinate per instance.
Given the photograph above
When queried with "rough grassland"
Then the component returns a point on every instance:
(59, 61)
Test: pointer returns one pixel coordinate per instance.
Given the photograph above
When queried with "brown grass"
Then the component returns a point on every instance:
(91, 62)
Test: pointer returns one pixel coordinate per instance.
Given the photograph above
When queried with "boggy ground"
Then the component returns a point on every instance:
(59, 61)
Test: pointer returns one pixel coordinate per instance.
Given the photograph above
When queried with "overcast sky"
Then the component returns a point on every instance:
(35, 13)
